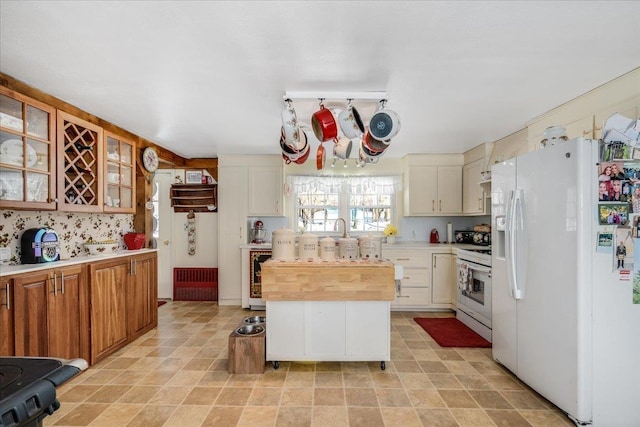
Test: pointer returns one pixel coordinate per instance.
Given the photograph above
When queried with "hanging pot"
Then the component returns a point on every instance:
(290, 128)
(384, 124)
(320, 157)
(324, 124)
(368, 156)
(299, 156)
(372, 145)
(351, 123)
(304, 156)
(342, 148)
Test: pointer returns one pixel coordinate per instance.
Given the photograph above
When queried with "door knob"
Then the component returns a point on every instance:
(166, 242)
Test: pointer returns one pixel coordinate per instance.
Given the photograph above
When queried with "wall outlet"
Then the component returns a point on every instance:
(5, 254)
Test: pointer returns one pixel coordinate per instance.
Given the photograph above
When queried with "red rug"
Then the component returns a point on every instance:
(450, 332)
(160, 302)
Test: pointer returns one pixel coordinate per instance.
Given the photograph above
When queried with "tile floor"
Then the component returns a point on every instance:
(176, 376)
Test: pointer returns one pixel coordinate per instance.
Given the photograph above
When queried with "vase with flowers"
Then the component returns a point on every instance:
(390, 231)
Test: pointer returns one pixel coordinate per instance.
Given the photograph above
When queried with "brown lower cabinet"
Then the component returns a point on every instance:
(49, 313)
(123, 302)
(85, 310)
(6, 318)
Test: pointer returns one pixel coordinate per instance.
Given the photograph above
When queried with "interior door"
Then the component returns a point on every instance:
(163, 225)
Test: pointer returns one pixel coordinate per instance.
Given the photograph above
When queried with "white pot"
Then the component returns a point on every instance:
(342, 149)
(351, 123)
(290, 128)
(384, 125)
(283, 244)
(308, 246)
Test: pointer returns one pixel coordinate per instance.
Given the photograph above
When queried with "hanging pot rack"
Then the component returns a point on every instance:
(370, 101)
(342, 96)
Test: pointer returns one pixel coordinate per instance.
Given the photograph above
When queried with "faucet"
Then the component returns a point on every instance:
(344, 226)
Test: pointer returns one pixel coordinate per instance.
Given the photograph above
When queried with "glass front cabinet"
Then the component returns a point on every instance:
(27, 152)
(119, 175)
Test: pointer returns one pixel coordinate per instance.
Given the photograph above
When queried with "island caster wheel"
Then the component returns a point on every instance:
(276, 364)
(383, 365)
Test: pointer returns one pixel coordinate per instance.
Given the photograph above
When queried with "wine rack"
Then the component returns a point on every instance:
(79, 164)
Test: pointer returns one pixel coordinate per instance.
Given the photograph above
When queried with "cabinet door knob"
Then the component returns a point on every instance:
(55, 285)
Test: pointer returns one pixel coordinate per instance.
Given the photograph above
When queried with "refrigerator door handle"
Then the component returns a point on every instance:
(517, 225)
(509, 243)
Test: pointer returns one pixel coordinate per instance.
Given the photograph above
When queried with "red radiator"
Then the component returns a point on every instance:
(195, 284)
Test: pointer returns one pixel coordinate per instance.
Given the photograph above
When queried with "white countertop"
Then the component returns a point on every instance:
(256, 246)
(410, 244)
(6, 270)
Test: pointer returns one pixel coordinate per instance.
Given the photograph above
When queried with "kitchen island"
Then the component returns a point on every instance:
(328, 310)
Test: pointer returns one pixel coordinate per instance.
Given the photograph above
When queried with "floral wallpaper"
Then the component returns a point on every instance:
(73, 229)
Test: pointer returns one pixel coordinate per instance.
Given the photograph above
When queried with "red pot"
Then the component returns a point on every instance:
(320, 157)
(303, 158)
(373, 145)
(324, 124)
(134, 241)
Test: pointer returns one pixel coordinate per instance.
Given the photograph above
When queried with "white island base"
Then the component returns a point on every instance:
(325, 331)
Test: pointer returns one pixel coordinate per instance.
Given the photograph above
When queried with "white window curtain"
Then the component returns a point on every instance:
(389, 184)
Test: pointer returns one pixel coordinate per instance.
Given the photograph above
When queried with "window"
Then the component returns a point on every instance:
(366, 203)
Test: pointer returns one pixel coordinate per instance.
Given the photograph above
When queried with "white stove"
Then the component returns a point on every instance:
(481, 255)
(473, 293)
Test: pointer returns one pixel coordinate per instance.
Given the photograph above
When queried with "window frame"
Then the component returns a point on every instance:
(344, 206)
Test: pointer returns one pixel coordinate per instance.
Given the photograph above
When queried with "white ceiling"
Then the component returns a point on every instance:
(203, 78)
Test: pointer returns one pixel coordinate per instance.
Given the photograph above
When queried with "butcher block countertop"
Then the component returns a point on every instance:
(339, 280)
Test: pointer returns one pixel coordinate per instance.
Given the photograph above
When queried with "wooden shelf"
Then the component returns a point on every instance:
(194, 197)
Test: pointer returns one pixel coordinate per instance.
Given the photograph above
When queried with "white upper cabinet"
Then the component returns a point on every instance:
(265, 190)
(433, 185)
(472, 193)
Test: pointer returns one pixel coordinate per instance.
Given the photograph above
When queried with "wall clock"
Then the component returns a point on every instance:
(150, 159)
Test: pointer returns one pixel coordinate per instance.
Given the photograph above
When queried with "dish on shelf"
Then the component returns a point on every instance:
(11, 183)
(97, 248)
(11, 153)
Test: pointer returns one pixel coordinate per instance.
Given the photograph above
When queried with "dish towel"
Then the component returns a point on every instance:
(464, 276)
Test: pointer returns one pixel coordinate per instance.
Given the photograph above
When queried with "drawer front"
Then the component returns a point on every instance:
(415, 277)
(406, 258)
(411, 297)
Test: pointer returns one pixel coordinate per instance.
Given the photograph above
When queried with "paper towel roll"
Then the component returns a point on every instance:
(449, 233)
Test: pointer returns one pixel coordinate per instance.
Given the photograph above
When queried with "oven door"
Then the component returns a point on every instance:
(475, 298)
(256, 258)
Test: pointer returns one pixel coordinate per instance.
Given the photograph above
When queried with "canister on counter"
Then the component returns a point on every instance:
(308, 246)
(283, 244)
(327, 249)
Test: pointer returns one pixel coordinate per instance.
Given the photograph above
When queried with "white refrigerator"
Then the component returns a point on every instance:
(563, 320)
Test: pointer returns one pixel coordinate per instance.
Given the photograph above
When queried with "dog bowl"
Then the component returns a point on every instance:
(250, 330)
(254, 320)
